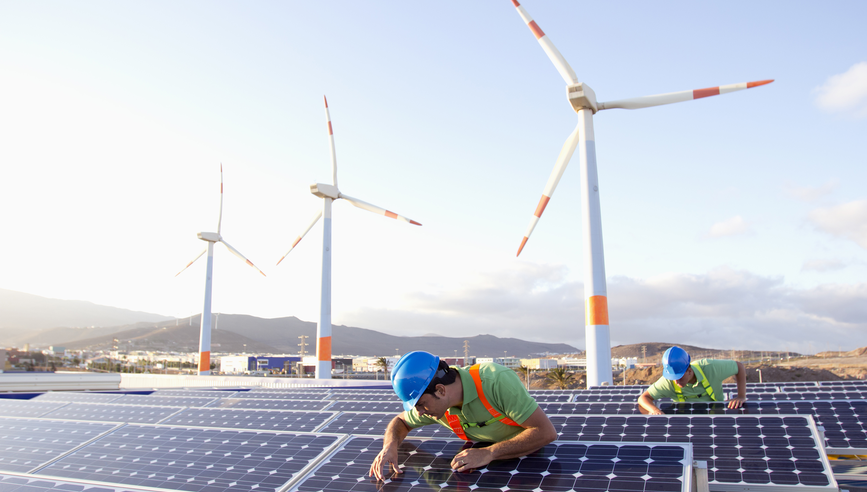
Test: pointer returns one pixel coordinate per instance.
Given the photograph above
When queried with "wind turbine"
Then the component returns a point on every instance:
(329, 193)
(211, 238)
(583, 101)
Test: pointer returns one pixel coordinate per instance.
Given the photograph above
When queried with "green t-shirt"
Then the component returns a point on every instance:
(504, 392)
(715, 370)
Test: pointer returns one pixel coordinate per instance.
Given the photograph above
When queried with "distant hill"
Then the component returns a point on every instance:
(26, 318)
(282, 335)
(654, 351)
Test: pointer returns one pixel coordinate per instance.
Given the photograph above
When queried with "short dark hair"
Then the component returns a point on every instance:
(444, 375)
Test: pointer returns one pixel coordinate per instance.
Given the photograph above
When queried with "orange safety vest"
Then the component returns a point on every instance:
(455, 421)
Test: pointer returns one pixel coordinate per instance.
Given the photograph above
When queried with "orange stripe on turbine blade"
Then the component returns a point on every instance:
(326, 101)
(515, 2)
(330, 130)
(296, 241)
(596, 310)
(537, 31)
(251, 263)
(323, 348)
(543, 202)
(414, 223)
(750, 85)
(390, 214)
(523, 242)
(700, 93)
(204, 361)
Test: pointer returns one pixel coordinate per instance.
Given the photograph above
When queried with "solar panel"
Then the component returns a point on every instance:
(82, 397)
(832, 394)
(210, 393)
(26, 408)
(556, 467)
(192, 459)
(605, 397)
(282, 396)
(739, 449)
(250, 419)
(367, 406)
(367, 423)
(391, 396)
(19, 483)
(844, 383)
(165, 401)
(271, 404)
(26, 444)
(355, 391)
(112, 413)
(581, 408)
(541, 398)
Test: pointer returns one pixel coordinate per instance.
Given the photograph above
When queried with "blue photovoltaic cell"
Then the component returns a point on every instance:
(27, 408)
(112, 413)
(17, 483)
(164, 401)
(79, 397)
(557, 467)
(777, 450)
(192, 459)
(250, 419)
(393, 407)
(581, 408)
(360, 423)
(271, 404)
(546, 398)
(604, 397)
(26, 444)
(831, 394)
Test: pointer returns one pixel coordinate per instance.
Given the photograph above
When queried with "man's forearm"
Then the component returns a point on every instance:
(396, 432)
(646, 402)
(522, 444)
(741, 378)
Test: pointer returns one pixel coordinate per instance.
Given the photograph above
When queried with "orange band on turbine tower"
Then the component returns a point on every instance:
(596, 310)
(204, 361)
(323, 349)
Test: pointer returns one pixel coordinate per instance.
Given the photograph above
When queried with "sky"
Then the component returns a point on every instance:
(736, 222)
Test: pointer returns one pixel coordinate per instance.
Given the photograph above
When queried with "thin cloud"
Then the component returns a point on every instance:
(848, 221)
(809, 193)
(734, 226)
(845, 92)
(822, 265)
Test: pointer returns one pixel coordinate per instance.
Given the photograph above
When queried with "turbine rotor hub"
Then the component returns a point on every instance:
(581, 96)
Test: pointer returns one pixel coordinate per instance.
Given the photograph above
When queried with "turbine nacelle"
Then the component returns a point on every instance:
(211, 237)
(581, 96)
(323, 190)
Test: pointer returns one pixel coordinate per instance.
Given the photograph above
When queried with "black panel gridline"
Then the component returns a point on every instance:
(250, 419)
(192, 459)
(778, 450)
(558, 467)
(26, 444)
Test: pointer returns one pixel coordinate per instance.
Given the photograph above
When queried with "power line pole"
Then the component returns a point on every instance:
(303, 345)
(466, 352)
(644, 354)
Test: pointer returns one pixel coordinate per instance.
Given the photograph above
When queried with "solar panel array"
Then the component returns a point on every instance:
(214, 440)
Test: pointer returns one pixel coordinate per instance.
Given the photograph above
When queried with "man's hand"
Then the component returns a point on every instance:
(471, 458)
(737, 402)
(387, 458)
(646, 405)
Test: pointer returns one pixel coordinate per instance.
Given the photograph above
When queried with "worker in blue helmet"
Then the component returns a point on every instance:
(484, 402)
(686, 381)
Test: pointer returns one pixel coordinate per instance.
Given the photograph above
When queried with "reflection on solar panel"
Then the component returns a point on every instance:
(83, 397)
(271, 404)
(364, 397)
(192, 459)
(845, 422)
(627, 386)
(26, 444)
(164, 401)
(17, 483)
(814, 395)
(605, 397)
(541, 398)
(739, 449)
(581, 408)
(211, 393)
(250, 419)
(367, 406)
(372, 424)
(285, 396)
(556, 467)
(27, 408)
(112, 413)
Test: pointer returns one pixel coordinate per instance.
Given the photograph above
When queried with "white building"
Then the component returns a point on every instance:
(510, 362)
(536, 364)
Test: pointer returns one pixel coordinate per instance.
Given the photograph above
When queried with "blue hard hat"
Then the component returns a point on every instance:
(411, 376)
(675, 362)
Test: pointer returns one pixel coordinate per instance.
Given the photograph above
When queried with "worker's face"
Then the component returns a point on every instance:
(687, 376)
(433, 405)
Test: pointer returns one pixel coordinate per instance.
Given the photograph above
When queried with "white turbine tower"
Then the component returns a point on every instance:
(329, 193)
(583, 101)
(211, 238)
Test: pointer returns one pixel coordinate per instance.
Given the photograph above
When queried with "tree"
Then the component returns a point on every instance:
(561, 377)
(383, 363)
(526, 372)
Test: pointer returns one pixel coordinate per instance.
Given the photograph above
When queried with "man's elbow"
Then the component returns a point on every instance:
(549, 436)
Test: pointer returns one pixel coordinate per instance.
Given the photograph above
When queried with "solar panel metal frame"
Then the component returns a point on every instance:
(686, 477)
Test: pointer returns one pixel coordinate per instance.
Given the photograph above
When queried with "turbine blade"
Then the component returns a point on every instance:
(239, 255)
(331, 142)
(676, 97)
(559, 167)
(559, 62)
(190, 263)
(220, 219)
(312, 223)
(377, 210)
